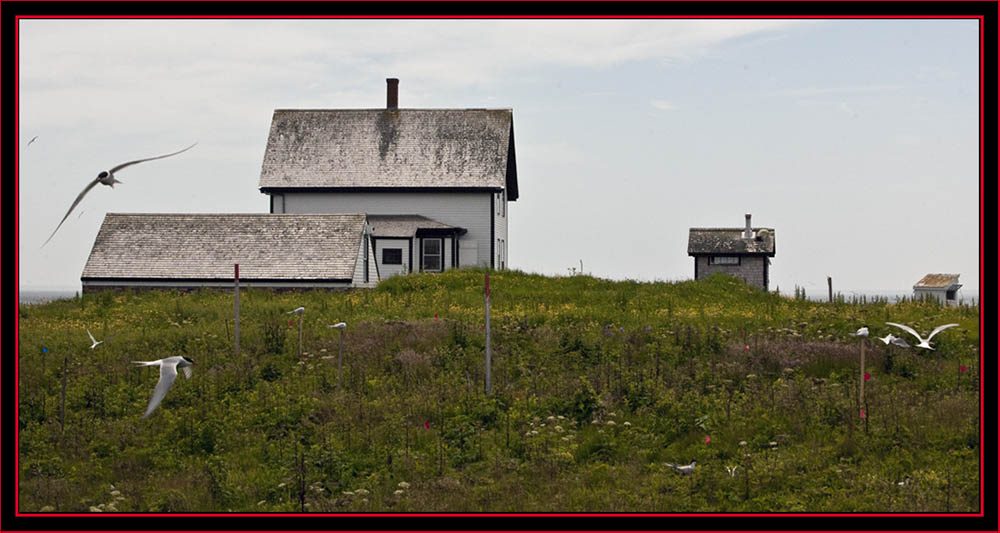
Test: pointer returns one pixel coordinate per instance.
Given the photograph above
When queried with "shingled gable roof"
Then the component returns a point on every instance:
(205, 247)
(407, 225)
(729, 241)
(937, 281)
(391, 148)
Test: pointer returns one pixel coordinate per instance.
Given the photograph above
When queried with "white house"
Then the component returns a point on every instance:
(942, 287)
(446, 174)
(190, 251)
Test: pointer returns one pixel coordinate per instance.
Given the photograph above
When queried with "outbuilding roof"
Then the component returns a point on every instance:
(407, 225)
(937, 281)
(730, 241)
(391, 148)
(205, 246)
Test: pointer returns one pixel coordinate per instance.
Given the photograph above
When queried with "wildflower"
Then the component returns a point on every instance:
(612, 414)
(427, 424)
(773, 444)
(746, 348)
(115, 493)
(551, 418)
(560, 417)
(708, 439)
(541, 426)
(291, 322)
(262, 502)
(627, 424)
(348, 493)
(280, 485)
(743, 443)
(361, 492)
(867, 376)
(111, 507)
(404, 485)
(611, 422)
(961, 368)
(558, 429)
(594, 421)
(94, 509)
(751, 376)
(47, 508)
(649, 328)
(862, 413)
(435, 316)
(398, 492)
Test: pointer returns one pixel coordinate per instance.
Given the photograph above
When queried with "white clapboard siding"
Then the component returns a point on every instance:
(469, 210)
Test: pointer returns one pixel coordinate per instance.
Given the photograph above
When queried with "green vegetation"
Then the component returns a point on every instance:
(596, 384)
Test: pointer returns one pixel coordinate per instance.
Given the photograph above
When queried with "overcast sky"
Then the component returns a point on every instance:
(857, 140)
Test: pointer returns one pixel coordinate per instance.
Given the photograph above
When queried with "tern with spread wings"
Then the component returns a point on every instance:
(107, 177)
(168, 372)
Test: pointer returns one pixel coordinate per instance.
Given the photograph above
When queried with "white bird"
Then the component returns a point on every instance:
(732, 470)
(96, 342)
(107, 177)
(168, 372)
(338, 325)
(892, 339)
(863, 332)
(683, 469)
(298, 311)
(924, 343)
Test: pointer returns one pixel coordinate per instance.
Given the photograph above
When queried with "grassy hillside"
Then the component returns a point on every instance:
(596, 385)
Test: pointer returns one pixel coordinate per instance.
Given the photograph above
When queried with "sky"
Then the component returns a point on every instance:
(856, 140)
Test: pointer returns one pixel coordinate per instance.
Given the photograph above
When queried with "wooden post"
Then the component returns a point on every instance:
(340, 357)
(829, 286)
(62, 412)
(861, 393)
(300, 334)
(236, 321)
(489, 379)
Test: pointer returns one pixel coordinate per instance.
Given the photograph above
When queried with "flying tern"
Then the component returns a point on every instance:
(863, 332)
(924, 343)
(683, 469)
(31, 141)
(892, 339)
(298, 311)
(93, 340)
(107, 177)
(168, 372)
(732, 470)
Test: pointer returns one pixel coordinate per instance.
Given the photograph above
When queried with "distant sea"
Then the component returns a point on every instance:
(38, 296)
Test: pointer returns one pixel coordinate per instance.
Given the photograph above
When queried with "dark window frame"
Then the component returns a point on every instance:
(398, 260)
(424, 255)
(712, 260)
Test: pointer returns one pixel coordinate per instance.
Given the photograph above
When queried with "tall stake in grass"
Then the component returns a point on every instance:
(62, 411)
(236, 320)
(861, 390)
(489, 379)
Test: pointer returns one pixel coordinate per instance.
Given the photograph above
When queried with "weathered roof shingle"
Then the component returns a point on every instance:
(205, 246)
(730, 241)
(405, 225)
(406, 148)
(937, 281)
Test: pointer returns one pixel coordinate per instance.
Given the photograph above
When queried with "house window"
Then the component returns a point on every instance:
(950, 295)
(724, 260)
(432, 255)
(392, 256)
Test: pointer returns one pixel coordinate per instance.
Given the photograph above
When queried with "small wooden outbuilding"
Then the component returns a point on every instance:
(942, 287)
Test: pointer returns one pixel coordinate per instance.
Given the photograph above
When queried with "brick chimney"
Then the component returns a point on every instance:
(392, 93)
(748, 232)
